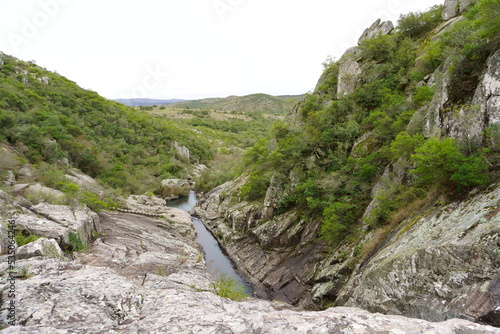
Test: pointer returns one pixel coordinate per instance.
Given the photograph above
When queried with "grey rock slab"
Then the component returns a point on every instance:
(57, 221)
(36, 189)
(40, 247)
(349, 72)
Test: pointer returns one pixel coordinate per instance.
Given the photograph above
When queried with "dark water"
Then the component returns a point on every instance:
(217, 262)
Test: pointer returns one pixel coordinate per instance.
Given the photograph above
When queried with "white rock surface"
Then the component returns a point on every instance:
(27, 190)
(57, 221)
(40, 247)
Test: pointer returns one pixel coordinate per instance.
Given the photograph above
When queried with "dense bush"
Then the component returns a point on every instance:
(440, 162)
(417, 25)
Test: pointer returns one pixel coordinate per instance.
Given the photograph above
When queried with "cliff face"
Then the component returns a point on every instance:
(278, 256)
(441, 261)
(442, 264)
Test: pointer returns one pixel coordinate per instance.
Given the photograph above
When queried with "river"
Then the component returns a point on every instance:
(217, 261)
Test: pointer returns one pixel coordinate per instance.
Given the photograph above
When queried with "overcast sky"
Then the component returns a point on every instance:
(190, 49)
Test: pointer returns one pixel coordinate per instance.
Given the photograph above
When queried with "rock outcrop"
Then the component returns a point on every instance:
(59, 221)
(84, 181)
(182, 151)
(378, 28)
(41, 247)
(349, 71)
(349, 67)
(144, 276)
(279, 255)
(174, 188)
(444, 263)
(453, 8)
(466, 124)
(75, 297)
(37, 191)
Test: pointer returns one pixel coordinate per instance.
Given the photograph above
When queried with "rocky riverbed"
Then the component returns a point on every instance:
(143, 274)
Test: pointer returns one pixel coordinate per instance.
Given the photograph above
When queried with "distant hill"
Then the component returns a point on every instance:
(146, 102)
(254, 102)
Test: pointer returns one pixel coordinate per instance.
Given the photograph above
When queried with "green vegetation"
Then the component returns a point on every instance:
(467, 45)
(278, 105)
(440, 162)
(22, 238)
(75, 243)
(328, 164)
(230, 133)
(122, 147)
(57, 126)
(227, 287)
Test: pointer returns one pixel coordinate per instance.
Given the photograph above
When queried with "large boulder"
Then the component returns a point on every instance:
(37, 191)
(174, 188)
(40, 247)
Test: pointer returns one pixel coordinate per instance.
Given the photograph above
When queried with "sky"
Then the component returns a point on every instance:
(190, 49)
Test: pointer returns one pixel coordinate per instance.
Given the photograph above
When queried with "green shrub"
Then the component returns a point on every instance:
(416, 25)
(227, 287)
(441, 162)
(51, 176)
(75, 242)
(256, 186)
(337, 219)
(404, 145)
(423, 95)
(24, 238)
(68, 187)
(94, 202)
(380, 48)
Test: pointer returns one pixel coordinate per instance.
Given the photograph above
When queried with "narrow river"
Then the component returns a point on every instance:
(217, 261)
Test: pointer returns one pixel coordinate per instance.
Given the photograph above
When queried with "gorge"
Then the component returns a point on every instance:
(217, 262)
(373, 206)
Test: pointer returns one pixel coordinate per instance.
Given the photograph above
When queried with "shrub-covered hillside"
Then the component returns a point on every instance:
(49, 119)
(340, 141)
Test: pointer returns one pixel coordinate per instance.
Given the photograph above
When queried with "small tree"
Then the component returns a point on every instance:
(337, 218)
(441, 162)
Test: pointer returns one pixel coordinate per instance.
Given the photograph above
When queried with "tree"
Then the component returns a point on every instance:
(441, 162)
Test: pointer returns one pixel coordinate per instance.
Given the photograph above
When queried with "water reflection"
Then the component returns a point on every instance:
(217, 262)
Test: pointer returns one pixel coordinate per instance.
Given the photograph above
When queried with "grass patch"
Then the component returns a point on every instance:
(76, 244)
(227, 287)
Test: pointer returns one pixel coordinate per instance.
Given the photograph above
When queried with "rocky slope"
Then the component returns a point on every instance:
(146, 275)
(441, 262)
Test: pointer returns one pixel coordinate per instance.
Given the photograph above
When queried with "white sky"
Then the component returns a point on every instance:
(190, 49)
